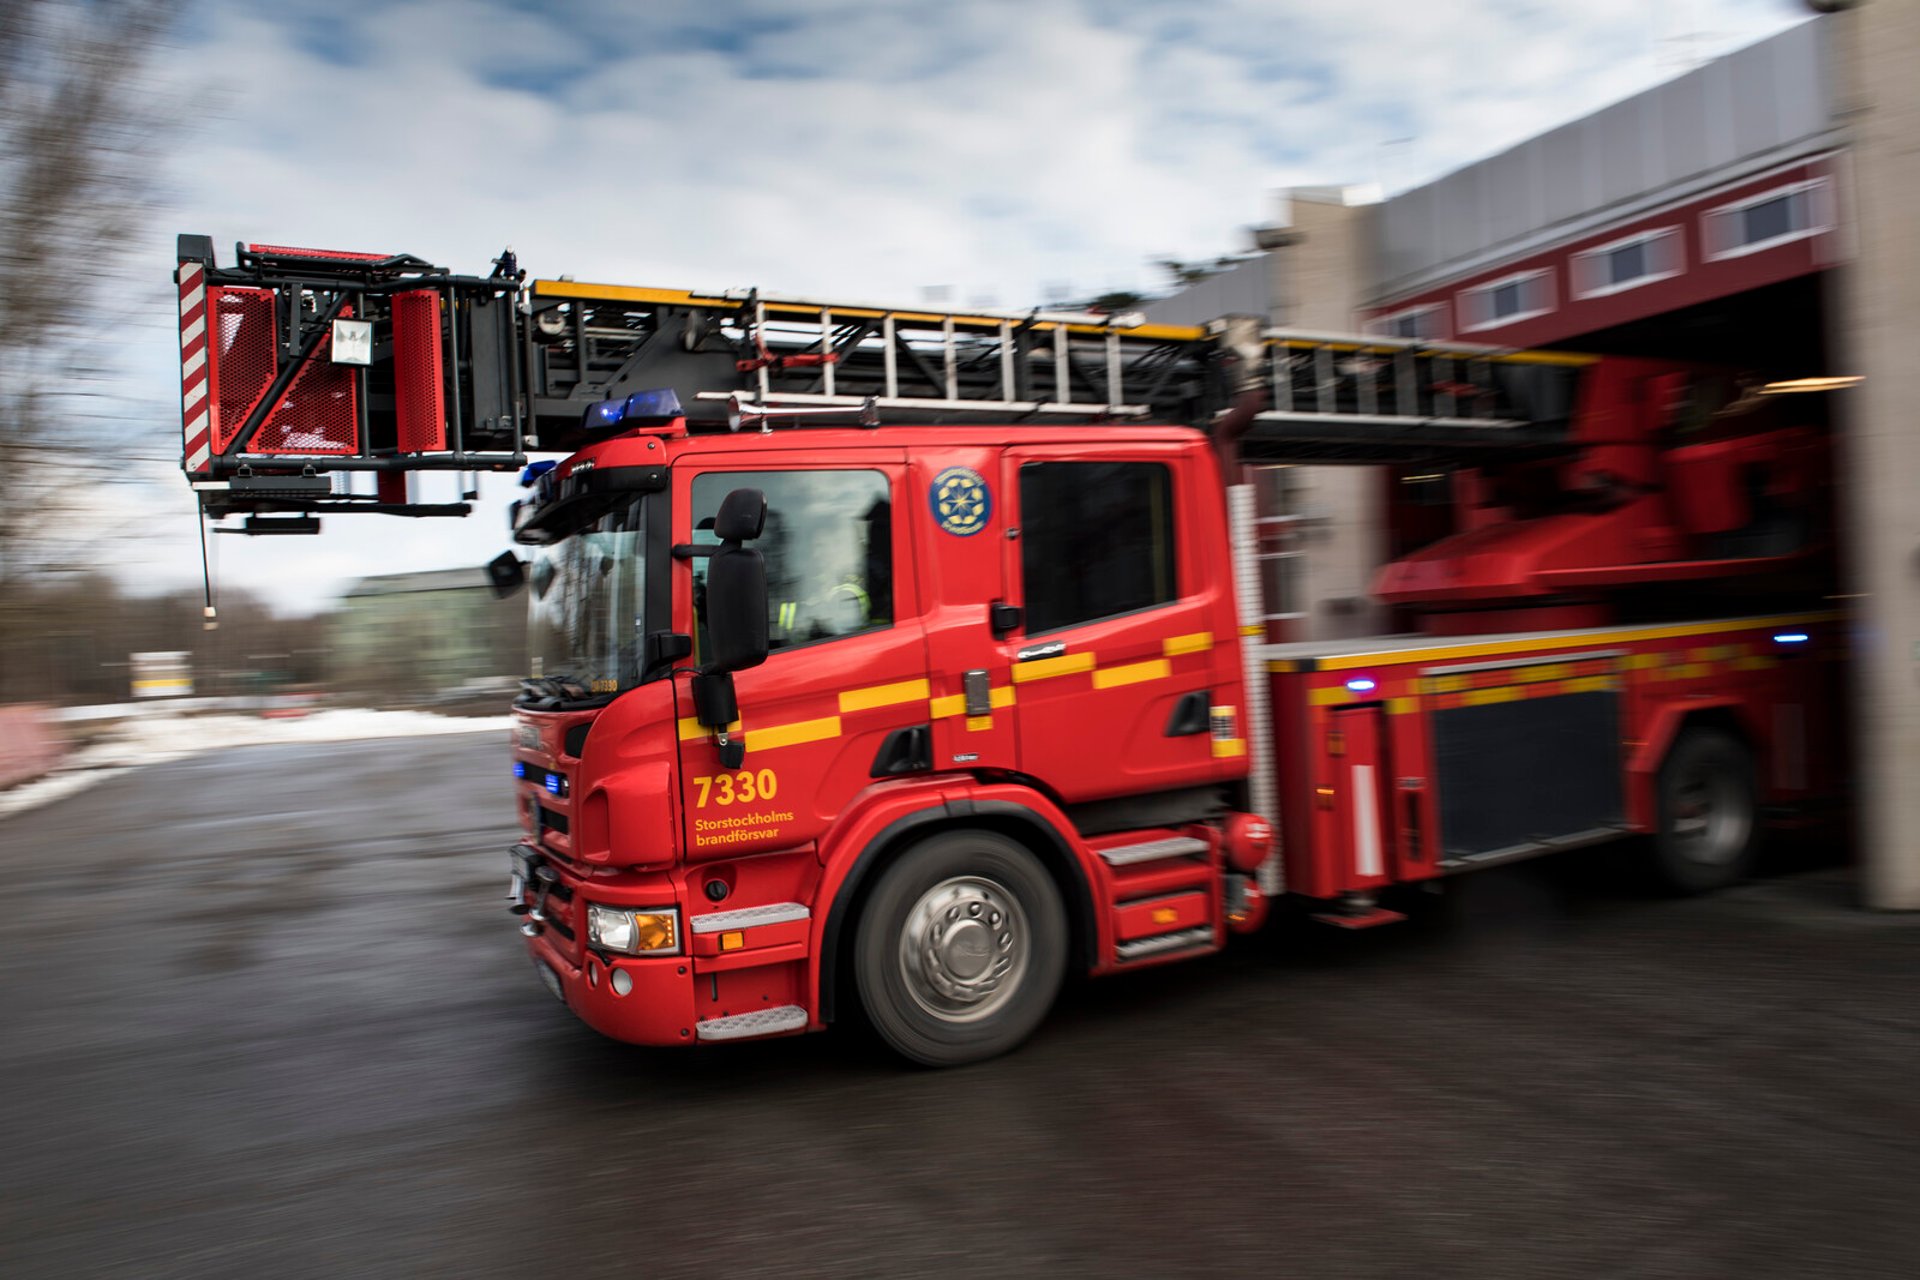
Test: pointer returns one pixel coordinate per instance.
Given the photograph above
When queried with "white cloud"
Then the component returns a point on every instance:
(854, 148)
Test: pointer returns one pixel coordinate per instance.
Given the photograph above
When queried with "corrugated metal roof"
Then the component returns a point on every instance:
(1757, 106)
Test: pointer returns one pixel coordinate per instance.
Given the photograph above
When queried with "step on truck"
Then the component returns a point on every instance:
(899, 662)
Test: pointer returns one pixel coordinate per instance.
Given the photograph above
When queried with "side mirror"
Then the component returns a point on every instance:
(737, 586)
(505, 574)
(736, 617)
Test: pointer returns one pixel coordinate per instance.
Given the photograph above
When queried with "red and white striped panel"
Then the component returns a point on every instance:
(195, 404)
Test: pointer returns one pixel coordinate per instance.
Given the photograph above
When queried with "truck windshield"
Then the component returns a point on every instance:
(587, 622)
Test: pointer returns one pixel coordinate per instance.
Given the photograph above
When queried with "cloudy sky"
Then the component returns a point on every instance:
(1009, 151)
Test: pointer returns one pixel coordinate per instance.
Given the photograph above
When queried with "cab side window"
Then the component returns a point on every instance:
(828, 544)
(1096, 540)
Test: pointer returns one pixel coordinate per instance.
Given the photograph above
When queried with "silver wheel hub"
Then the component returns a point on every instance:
(1709, 823)
(963, 950)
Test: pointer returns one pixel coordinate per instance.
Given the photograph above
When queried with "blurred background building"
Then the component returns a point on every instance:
(1699, 220)
(427, 636)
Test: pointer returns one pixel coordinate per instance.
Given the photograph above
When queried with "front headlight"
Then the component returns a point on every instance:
(652, 931)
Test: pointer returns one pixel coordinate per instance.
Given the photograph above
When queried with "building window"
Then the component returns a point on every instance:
(1520, 296)
(1096, 540)
(828, 544)
(1627, 263)
(1422, 323)
(1775, 217)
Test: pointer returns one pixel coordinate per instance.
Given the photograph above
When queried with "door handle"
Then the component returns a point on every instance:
(1035, 652)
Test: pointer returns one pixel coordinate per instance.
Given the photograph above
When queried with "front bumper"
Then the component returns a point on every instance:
(756, 988)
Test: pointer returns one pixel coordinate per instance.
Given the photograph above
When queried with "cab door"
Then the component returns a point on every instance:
(1126, 617)
(847, 660)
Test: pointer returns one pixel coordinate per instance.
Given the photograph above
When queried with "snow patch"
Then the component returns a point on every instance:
(156, 740)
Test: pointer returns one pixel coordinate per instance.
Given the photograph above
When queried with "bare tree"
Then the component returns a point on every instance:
(79, 124)
(78, 128)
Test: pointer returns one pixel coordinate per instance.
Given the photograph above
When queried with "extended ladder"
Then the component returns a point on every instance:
(298, 365)
(1334, 396)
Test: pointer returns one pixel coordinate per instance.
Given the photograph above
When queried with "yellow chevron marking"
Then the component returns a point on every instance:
(1132, 673)
(955, 704)
(1402, 706)
(1198, 642)
(1328, 697)
(1590, 684)
(1253, 629)
(1488, 697)
(977, 723)
(691, 728)
(1224, 748)
(1067, 664)
(883, 695)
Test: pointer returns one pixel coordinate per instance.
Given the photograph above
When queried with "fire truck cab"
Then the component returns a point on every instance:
(989, 726)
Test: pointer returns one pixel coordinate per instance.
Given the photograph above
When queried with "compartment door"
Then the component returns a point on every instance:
(1363, 785)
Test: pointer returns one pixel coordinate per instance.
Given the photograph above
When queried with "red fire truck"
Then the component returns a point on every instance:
(905, 661)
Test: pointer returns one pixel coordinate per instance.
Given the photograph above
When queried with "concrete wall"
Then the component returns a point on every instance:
(1318, 285)
(1877, 51)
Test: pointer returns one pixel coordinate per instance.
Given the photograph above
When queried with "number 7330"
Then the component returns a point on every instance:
(743, 787)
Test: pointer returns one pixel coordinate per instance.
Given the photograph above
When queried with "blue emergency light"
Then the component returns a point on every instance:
(519, 768)
(1790, 637)
(1360, 684)
(642, 408)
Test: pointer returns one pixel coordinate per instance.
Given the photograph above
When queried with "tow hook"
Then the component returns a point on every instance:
(535, 913)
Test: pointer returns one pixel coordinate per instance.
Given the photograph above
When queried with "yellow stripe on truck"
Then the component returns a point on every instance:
(883, 695)
(1198, 642)
(792, 735)
(1067, 664)
(1132, 673)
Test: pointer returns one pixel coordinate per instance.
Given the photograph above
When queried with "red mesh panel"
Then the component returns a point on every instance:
(243, 356)
(288, 251)
(319, 413)
(419, 398)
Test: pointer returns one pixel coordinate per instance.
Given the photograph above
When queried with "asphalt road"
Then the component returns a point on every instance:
(262, 1013)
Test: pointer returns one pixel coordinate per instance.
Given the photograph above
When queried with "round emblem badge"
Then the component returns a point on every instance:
(961, 503)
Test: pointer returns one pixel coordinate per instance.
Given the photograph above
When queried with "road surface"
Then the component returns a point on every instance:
(265, 1015)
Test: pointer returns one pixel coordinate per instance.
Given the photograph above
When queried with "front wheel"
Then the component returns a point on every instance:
(1708, 813)
(961, 948)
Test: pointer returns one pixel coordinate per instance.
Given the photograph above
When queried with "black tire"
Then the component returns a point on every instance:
(988, 953)
(1708, 813)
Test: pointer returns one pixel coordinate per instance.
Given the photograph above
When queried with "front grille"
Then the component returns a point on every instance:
(553, 821)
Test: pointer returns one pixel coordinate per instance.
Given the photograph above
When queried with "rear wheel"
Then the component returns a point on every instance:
(1708, 813)
(961, 948)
